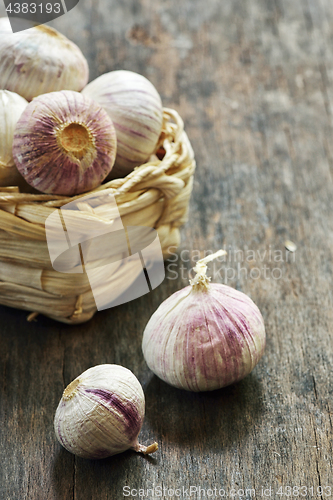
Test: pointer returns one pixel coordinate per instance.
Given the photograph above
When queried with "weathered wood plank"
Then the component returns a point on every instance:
(253, 82)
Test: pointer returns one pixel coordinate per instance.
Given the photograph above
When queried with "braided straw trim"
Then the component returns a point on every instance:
(155, 194)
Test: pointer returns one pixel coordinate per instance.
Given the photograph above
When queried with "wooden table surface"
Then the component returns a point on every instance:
(253, 81)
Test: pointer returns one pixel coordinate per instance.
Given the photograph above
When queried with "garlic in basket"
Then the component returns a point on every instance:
(101, 413)
(135, 108)
(12, 106)
(205, 336)
(39, 60)
(64, 143)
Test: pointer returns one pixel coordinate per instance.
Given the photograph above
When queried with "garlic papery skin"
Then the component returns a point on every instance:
(39, 60)
(64, 143)
(101, 413)
(136, 111)
(12, 106)
(205, 336)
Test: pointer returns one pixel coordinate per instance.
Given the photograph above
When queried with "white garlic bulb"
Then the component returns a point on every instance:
(205, 336)
(135, 108)
(101, 413)
(12, 106)
(39, 60)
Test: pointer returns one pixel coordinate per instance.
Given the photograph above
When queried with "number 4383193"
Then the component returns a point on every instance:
(304, 491)
(33, 8)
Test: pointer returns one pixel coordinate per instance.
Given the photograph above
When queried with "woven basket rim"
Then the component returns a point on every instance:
(121, 185)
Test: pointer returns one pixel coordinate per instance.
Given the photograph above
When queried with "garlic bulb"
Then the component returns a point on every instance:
(39, 60)
(64, 143)
(135, 108)
(12, 106)
(101, 413)
(205, 336)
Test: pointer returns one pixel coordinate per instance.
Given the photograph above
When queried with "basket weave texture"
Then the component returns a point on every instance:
(155, 194)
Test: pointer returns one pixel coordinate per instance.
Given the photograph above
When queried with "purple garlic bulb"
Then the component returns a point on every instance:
(64, 143)
(205, 336)
(101, 413)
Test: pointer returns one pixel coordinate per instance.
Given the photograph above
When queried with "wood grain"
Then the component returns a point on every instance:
(253, 83)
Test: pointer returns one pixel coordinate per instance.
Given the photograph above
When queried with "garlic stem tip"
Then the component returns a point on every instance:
(146, 450)
(213, 256)
(151, 448)
(32, 316)
(200, 279)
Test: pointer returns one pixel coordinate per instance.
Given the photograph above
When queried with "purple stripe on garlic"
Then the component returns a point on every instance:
(64, 143)
(205, 336)
(127, 410)
(101, 413)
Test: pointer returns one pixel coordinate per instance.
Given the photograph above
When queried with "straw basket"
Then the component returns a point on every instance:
(155, 194)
